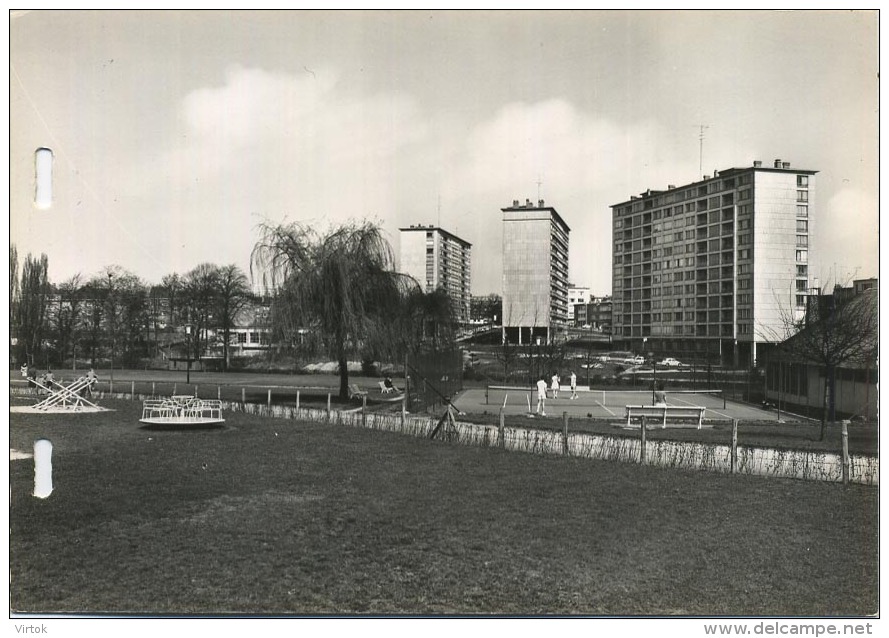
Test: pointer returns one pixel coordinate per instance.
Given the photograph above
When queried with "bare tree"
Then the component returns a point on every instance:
(200, 294)
(13, 294)
(65, 317)
(32, 307)
(837, 330)
(232, 296)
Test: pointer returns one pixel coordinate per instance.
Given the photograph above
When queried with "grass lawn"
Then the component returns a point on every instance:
(273, 516)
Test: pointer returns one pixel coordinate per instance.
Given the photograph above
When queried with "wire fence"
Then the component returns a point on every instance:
(498, 395)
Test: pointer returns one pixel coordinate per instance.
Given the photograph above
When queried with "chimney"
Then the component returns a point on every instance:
(515, 203)
(757, 164)
(777, 163)
(785, 164)
(528, 203)
(540, 203)
(706, 177)
(671, 186)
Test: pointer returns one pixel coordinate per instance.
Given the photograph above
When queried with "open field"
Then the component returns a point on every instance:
(273, 516)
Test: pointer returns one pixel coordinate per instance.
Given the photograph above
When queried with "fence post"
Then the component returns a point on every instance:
(845, 453)
(269, 401)
(195, 390)
(219, 393)
(501, 431)
(642, 446)
(364, 411)
(153, 393)
(297, 401)
(734, 467)
(328, 407)
(133, 389)
(174, 389)
(486, 395)
(565, 433)
(243, 395)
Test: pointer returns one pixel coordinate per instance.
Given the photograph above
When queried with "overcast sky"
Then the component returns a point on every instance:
(176, 133)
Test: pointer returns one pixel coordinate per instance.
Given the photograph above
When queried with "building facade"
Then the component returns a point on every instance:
(578, 299)
(795, 384)
(535, 273)
(439, 259)
(713, 269)
(599, 314)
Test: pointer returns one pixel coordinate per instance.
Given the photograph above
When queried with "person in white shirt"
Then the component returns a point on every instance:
(573, 385)
(541, 397)
(555, 385)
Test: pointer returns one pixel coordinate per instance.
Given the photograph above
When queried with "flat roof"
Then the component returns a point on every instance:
(720, 174)
(420, 227)
(526, 208)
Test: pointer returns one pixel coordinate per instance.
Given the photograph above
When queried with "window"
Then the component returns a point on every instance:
(745, 194)
(802, 285)
(802, 240)
(802, 271)
(744, 253)
(242, 337)
(802, 181)
(800, 300)
(802, 210)
(802, 255)
(743, 224)
(802, 225)
(802, 196)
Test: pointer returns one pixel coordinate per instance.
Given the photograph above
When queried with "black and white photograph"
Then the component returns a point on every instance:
(434, 314)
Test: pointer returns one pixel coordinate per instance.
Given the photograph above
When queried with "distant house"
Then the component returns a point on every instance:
(800, 385)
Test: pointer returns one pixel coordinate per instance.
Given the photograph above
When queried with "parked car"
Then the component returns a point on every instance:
(638, 360)
(670, 362)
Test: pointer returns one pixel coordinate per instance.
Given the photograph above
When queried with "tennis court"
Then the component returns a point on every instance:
(605, 404)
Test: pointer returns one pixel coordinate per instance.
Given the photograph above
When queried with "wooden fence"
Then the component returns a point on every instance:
(730, 458)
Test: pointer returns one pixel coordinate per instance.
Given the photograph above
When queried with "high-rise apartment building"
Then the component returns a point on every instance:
(535, 273)
(711, 270)
(439, 259)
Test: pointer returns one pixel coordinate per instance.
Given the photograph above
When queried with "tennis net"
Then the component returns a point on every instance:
(502, 394)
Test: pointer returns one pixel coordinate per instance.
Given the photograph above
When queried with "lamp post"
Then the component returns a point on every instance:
(188, 353)
(111, 322)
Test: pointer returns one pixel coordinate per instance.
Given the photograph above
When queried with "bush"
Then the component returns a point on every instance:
(368, 367)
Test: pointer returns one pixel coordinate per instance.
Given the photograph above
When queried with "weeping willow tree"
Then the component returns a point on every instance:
(341, 285)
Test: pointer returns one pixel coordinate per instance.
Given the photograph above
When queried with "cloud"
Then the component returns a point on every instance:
(273, 146)
(584, 163)
(848, 219)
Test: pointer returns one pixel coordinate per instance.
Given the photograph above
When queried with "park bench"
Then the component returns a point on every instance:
(355, 391)
(386, 389)
(665, 413)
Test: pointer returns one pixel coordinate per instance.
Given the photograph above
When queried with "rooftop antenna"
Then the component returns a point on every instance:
(439, 210)
(702, 128)
(539, 184)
